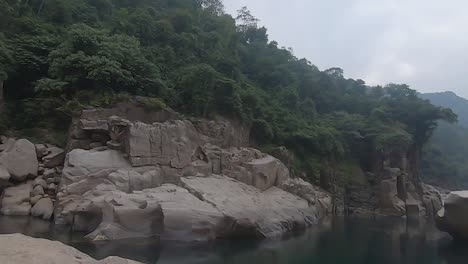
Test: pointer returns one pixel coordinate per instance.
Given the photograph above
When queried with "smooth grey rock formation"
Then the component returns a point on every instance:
(17, 248)
(167, 168)
(43, 208)
(20, 160)
(313, 194)
(185, 216)
(453, 217)
(250, 211)
(390, 203)
(16, 200)
(127, 216)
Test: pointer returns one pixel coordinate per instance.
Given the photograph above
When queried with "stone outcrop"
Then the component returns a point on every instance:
(184, 179)
(453, 217)
(392, 189)
(17, 248)
(250, 212)
(29, 175)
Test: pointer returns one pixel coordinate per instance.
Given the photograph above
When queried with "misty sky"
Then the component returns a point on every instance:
(423, 43)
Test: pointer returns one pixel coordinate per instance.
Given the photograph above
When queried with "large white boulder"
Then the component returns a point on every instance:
(20, 160)
(453, 217)
(43, 208)
(17, 248)
(252, 212)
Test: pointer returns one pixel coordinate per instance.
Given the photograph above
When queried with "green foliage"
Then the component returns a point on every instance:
(152, 104)
(5, 59)
(68, 54)
(261, 131)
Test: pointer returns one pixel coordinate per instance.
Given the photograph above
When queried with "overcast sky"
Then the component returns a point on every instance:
(423, 43)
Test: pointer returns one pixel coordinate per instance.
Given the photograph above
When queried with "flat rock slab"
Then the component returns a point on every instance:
(16, 200)
(185, 216)
(261, 214)
(17, 248)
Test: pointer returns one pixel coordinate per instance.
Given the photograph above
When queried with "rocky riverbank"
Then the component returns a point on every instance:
(128, 172)
(131, 173)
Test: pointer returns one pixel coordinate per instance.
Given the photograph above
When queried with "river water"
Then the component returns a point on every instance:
(338, 241)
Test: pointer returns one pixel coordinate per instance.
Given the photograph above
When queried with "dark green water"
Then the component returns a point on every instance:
(341, 241)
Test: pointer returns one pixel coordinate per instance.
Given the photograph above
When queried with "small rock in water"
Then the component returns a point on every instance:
(43, 208)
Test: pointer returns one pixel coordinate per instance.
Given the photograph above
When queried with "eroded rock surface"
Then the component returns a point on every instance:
(453, 217)
(17, 248)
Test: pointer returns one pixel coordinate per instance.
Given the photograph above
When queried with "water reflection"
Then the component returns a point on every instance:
(340, 241)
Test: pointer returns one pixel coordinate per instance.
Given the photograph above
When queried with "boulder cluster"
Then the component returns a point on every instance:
(178, 179)
(29, 176)
(130, 173)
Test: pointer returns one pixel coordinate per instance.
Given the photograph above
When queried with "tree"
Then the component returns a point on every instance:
(5, 64)
(246, 20)
(203, 90)
(214, 7)
(97, 60)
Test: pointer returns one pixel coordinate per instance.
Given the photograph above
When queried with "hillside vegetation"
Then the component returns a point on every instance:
(445, 160)
(58, 56)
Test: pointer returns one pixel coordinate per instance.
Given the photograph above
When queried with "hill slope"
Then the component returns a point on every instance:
(445, 161)
(60, 56)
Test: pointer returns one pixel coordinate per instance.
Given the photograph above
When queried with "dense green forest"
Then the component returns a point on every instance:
(445, 161)
(57, 56)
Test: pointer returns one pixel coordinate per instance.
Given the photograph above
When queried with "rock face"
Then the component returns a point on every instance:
(16, 200)
(20, 160)
(251, 212)
(43, 208)
(178, 179)
(453, 217)
(18, 248)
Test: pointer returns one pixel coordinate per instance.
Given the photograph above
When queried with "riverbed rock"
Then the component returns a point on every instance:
(183, 180)
(17, 248)
(16, 200)
(41, 150)
(21, 160)
(390, 203)
(186, 217)
(44, 208)
(250, 211)
(38, 190)
(4, 176)
(55, 157)
(127, 216)
(453, 217)
(314, 195)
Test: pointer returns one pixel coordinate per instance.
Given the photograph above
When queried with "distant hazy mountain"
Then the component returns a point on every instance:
(445, 158)
(458, 104)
